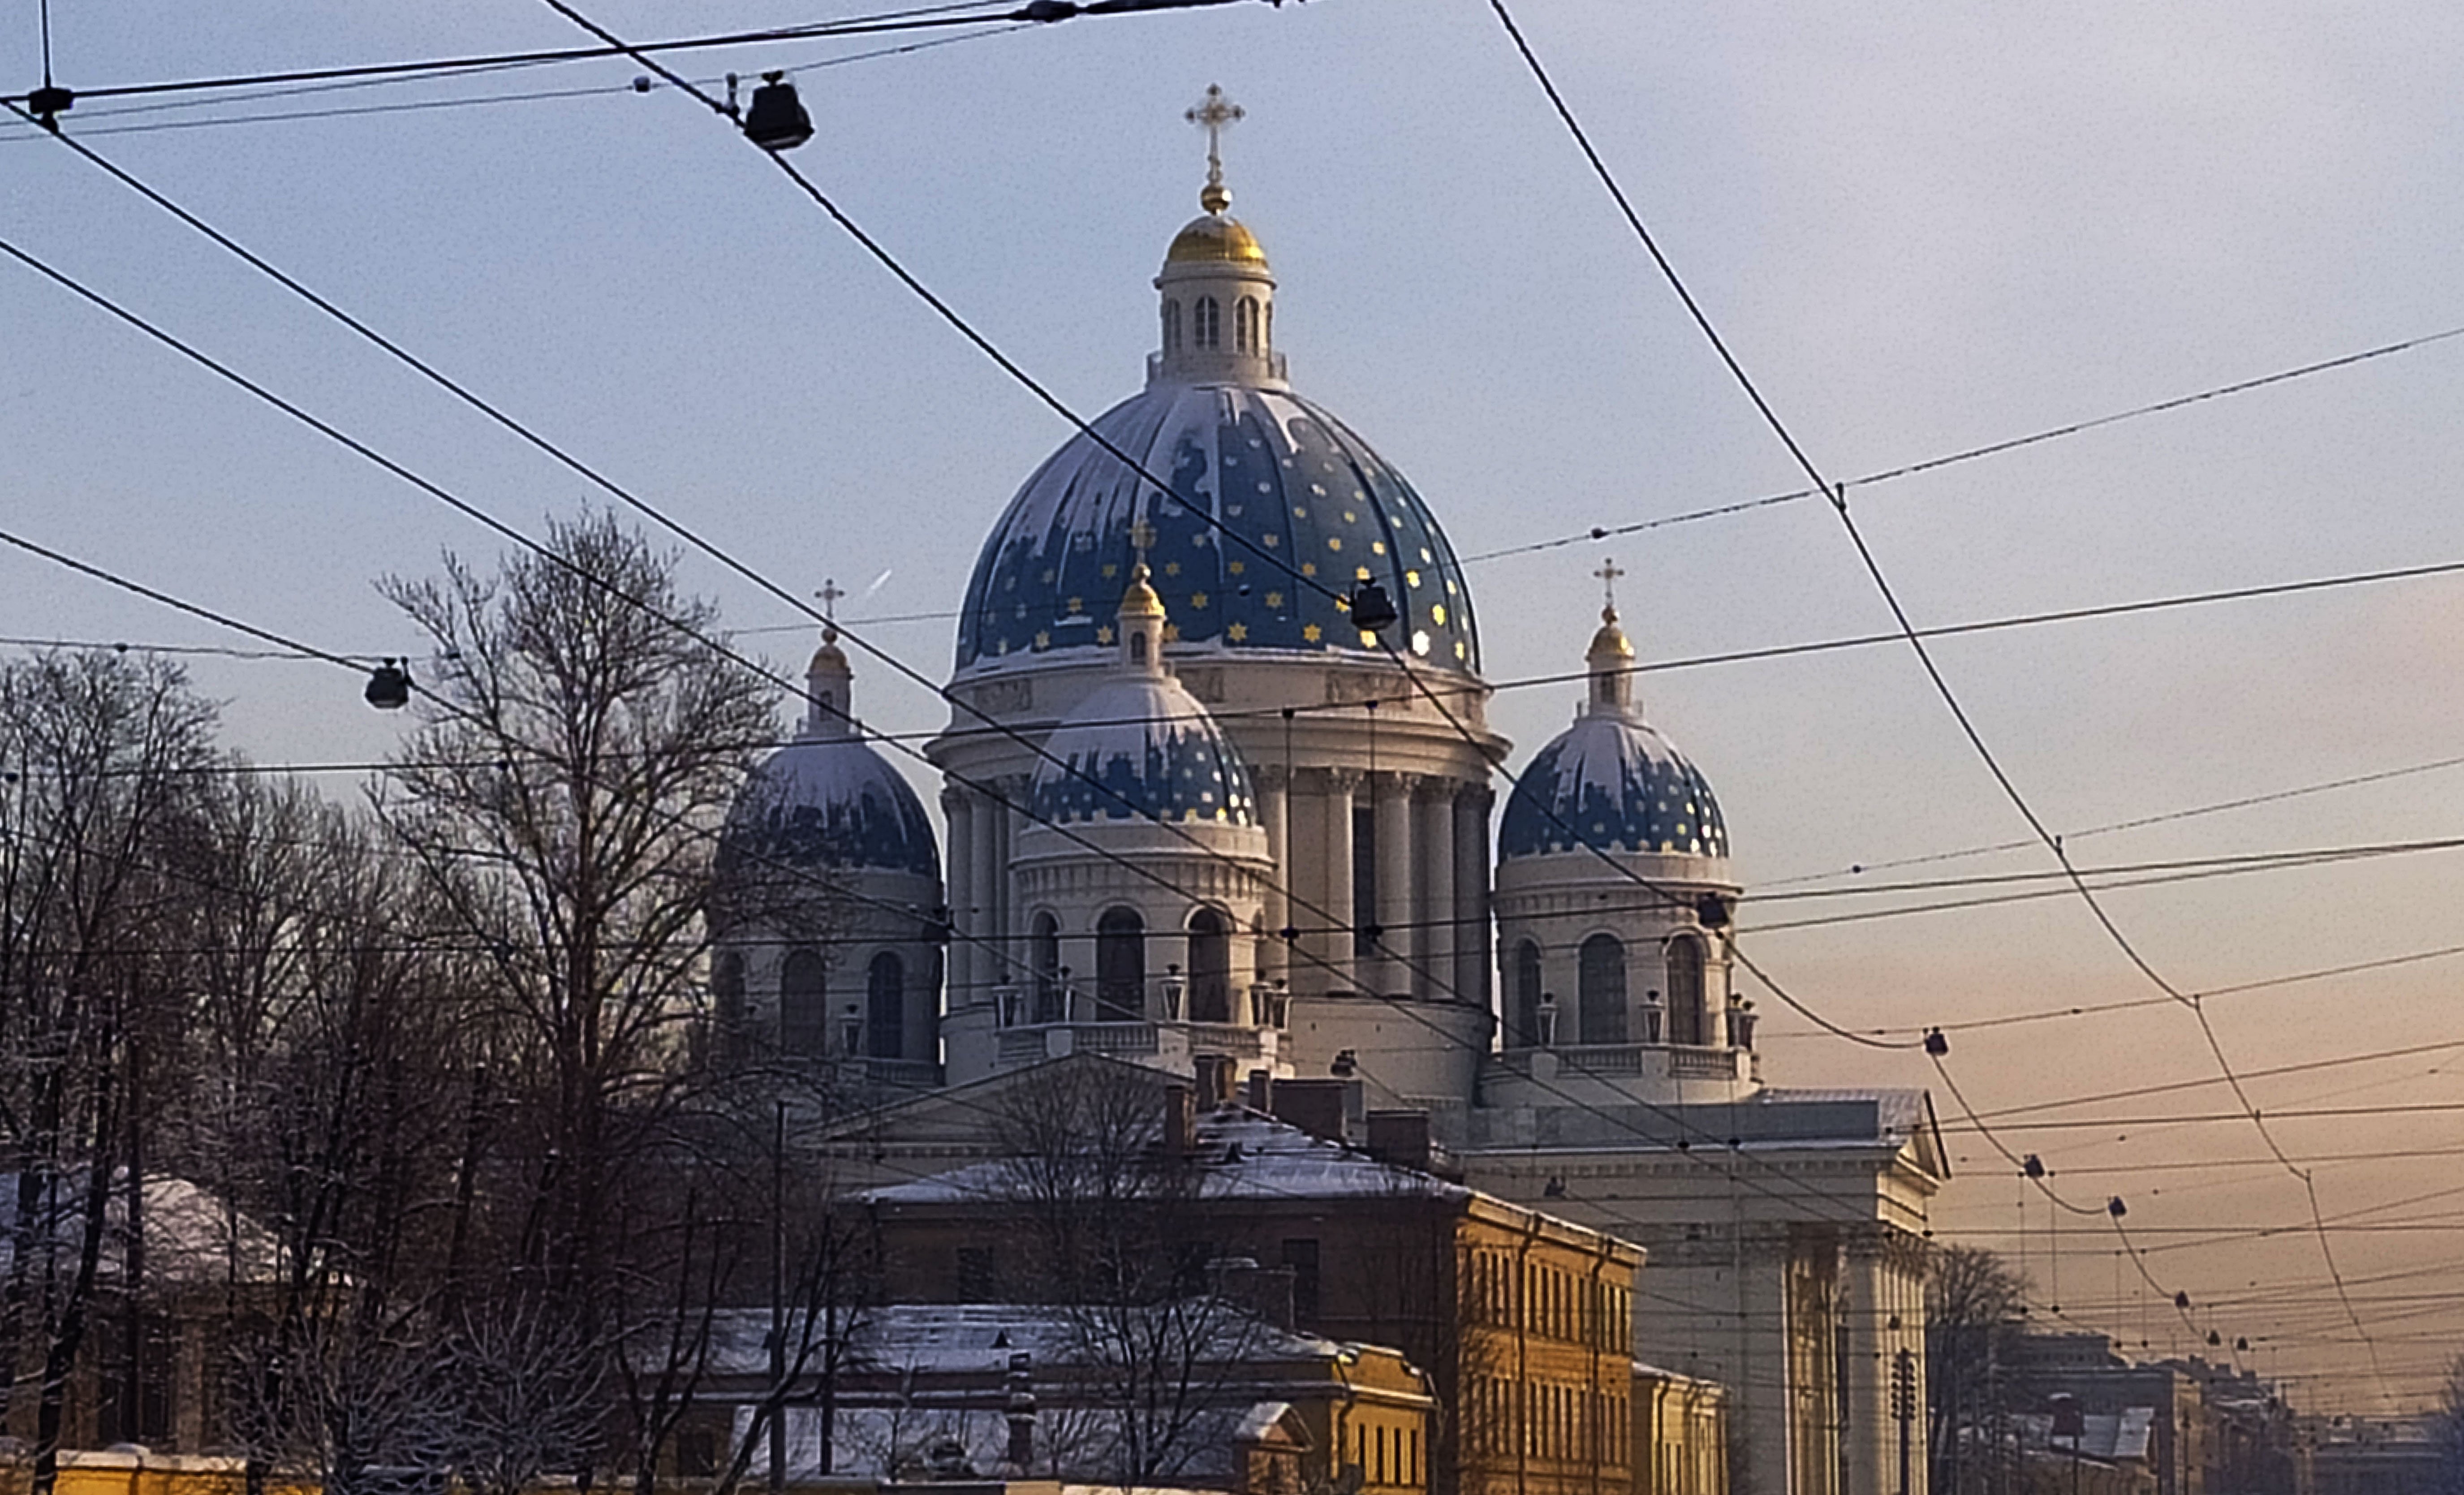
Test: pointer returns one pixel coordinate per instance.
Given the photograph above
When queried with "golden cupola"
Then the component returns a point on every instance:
(1216, 296)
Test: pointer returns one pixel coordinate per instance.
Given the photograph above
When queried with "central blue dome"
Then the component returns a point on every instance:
(1299, 489)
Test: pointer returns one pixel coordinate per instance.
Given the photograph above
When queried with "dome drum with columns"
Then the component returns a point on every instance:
(1614, 902)
(827, 950)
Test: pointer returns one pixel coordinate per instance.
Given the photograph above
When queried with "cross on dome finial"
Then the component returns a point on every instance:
(1212, 114)
(1142, 539)
(829, 594)
(1608, 573)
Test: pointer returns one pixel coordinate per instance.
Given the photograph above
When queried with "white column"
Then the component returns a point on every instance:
(1393, 805)
(1436, 905)
(961, 993)
(984, 889)
(1336, 943)
(1274, 814)
(1472, 932)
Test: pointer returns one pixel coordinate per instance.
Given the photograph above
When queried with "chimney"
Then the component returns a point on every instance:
(1317, 1107)
(1262, 1092)
(1400, 1139)
(1180, 1118)
(1021, 1415)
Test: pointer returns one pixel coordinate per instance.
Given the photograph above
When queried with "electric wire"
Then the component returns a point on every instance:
(1839, 502)
(1599, 532)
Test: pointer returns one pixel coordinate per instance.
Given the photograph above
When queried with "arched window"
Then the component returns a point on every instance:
(1137, 647)
(1171, 327)
(1206, 323)
(1686, 1019)
(1266, 330)
(803, 1005)
(1527, 994)
(1245, 324)
(1046, 957)
(1210, 968)
(885, 1018)
(1120, 967)
(727, 991)
(1601, 1006)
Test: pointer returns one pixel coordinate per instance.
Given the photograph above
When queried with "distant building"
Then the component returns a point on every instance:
(1522, 1320)
(2375, 1456)
(1680, 1434)
(940, 1394)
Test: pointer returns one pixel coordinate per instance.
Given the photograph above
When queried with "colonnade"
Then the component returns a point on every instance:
(1425, 837)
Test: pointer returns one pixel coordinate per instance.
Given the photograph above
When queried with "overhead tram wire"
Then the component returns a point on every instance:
(457, 101)
(1839, 500)
(1990, 449)
(922, 19)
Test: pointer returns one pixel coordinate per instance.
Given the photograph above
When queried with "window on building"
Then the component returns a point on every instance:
(1245, 324)
(1210, 967)
(1527, 994)
(1364, 879)
(804, 1004)
(1046, 941)
(727, 992)
(885, 1018)
(1171, 327)
(1206, 323)
(1687, 1022)
(979, 1275)
(1299, 1258)
(1120, 966)
(1601, 1002)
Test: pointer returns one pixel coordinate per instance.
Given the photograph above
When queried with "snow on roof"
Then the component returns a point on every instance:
(1242, 1154)
(191, 1237)
(2112, 1437)
(960, 1337)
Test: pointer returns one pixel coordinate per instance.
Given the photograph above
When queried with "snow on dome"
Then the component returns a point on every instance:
(1613, 783)
(1152, 751)
(1294, 488)
(829, 800)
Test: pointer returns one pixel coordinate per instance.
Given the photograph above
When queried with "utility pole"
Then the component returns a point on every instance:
(779, 1298)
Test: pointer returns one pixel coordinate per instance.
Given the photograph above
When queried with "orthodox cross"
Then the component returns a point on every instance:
(1608, 573)
(829, 594)
(1212, 114)
(1142, 539)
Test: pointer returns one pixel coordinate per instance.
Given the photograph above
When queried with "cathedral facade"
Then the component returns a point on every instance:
(1216, 783)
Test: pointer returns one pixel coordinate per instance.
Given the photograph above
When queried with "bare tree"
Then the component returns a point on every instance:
(1975, 1305)
(562, 795)
(101, 757)
(1118, 1244)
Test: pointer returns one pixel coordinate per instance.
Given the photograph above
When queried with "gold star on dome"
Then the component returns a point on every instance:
(1172, 568)
(1198, 600)
(1238, 633)
(1077, 603)
(1411, 578)
(1111, 569)
(1043, 639)
(1309, 569)
(1311, 632)
(1335, 543)
(1275, 600)
(1170, 632)
(1237, 567)
(1104, 634)
(1273, 540)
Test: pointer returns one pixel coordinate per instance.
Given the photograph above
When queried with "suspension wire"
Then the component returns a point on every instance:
(1838, 499)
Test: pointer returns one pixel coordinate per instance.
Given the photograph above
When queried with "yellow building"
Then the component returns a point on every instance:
(1680, 1434)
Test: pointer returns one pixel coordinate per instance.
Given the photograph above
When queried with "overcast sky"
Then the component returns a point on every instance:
(1922, 228)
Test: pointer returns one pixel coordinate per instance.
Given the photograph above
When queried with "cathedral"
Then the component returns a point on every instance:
(1217, 797)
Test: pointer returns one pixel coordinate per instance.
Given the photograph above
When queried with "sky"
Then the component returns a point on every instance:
(1920, 229)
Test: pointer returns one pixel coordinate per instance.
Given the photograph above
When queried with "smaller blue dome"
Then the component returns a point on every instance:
(1151, 753)
(1612, 783)
(829, 800)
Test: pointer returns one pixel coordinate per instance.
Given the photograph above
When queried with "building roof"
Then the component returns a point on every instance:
(955, 1338)
(831, 801)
